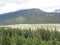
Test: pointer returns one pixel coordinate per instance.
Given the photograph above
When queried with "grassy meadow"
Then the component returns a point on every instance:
(9, 36)
(41, 34)
(34, 26)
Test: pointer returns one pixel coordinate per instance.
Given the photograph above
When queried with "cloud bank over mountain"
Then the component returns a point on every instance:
(13, 5)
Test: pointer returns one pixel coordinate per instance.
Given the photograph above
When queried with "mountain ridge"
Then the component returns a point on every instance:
(29, 16)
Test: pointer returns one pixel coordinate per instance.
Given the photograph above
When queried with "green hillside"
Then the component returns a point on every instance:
(29, 16)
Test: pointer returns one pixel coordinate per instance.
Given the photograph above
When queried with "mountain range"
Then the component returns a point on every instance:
(29, 16)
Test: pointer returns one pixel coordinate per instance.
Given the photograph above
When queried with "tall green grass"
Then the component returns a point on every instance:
(9, 36)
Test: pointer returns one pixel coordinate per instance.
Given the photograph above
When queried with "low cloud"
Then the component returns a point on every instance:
(15, 1)
(13, 5)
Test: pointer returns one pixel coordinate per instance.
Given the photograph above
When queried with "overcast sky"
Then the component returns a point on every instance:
(13, 5)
